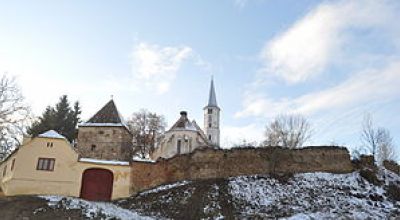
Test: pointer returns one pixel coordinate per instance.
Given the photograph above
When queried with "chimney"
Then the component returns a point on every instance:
(183, 113)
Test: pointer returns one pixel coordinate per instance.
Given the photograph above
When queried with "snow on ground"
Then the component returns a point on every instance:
(103, 210)
(315, 196)
(165, 187)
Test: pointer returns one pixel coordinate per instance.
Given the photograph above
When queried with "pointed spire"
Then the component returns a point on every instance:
(212, 100)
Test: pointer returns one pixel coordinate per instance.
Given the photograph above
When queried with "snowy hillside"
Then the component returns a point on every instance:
(304, 196)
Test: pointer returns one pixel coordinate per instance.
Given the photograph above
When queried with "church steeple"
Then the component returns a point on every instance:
(211, 117)
(212, 99)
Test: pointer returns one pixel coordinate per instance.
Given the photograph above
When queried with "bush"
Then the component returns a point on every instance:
(393, 192)
(370, 176)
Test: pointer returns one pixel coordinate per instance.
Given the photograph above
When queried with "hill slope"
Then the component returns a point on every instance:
(304, 196)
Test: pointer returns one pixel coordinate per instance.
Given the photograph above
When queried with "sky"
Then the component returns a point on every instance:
(331, 61)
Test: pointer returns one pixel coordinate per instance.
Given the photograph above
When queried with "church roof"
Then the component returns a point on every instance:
(183, 123)
(106, 116)
(212, 99)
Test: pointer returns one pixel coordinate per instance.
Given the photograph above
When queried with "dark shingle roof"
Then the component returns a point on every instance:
(107, 114)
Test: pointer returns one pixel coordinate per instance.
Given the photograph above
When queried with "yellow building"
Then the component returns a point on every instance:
(48, 165)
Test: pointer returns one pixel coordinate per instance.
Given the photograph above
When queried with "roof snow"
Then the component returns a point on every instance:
(107, 162)
(51, 134)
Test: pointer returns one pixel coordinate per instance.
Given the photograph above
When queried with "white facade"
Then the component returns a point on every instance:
(212, 118)
(182, 138)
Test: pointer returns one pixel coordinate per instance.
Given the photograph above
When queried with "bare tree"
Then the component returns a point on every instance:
(386, 147)
(290, 131)
(146, 128)
(369, 136)
(378, 141)
(13, 115)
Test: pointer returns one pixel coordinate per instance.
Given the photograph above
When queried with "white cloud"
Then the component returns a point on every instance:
(362, 87)
(310, 45)
(157, 66)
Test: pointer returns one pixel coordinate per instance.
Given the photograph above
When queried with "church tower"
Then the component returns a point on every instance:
(211, 118)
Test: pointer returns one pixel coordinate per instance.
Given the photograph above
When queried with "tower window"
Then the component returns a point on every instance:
(93, 147)
(209, 111)
(209, 137)
(209, 125)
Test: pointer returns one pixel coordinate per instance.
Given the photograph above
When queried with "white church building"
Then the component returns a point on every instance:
(185, 135)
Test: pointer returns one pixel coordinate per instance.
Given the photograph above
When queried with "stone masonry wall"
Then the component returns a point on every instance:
(212, 163)
(109, 143)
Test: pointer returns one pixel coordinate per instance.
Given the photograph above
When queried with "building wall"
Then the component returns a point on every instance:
(168, 147)
(66, 177)
(212, 163)
(109, 143)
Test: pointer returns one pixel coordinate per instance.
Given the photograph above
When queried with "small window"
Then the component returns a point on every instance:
(209, 125)
(209, 137)
(12, 164)
(101, 132)
(49, 144)
(209, 111)
(5, 170)
(93, 147)
(45, 164)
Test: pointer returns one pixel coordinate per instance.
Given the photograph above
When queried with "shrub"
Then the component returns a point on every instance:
(393, 192)
(370, 176)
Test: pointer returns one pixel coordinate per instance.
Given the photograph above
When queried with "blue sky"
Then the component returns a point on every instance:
(331, 61)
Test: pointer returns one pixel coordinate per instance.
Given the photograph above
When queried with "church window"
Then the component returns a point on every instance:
(209, 111)
(178, 146)
(209, 137)
(209, 125)
(45, 164)
(93, 147)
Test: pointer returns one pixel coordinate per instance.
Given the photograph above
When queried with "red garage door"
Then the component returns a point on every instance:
(97, 184)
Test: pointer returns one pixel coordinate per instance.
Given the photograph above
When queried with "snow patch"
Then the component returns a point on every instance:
(165, 187)
(51, 134)
(103, 210)
(138, 159)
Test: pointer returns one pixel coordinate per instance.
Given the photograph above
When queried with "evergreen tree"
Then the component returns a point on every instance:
(61, 118)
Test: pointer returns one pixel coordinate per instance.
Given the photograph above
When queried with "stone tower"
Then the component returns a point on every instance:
(105, 136)
(211, 118)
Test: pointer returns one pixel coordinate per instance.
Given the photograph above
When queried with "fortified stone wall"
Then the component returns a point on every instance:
(212, 163)
(109, 143)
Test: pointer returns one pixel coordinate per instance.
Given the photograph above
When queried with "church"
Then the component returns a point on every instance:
(185, 135)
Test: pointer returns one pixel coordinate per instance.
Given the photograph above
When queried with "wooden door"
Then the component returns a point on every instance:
(97, 184)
